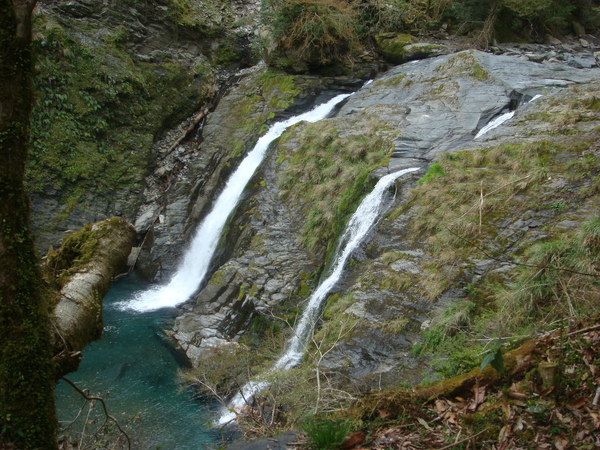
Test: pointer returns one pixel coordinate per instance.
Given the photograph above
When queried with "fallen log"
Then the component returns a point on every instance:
(81, 271)
(517, 361)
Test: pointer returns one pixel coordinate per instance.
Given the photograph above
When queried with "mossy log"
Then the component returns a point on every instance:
(516, 362)
(94, 256)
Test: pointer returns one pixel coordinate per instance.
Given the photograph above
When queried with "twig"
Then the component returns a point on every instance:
(195, 121)
(464, 440)
(584, 330)
(101, 400)
(596, 397)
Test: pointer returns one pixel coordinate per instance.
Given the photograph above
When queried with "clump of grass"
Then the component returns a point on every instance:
(395, 326)
(435, 171)
(447, 323)
(558, 281)
(327, 175)
(326, 433)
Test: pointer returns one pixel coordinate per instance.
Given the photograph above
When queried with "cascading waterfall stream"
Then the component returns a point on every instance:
(495, 123)
(499, 120)
(196, 261)
(359, 225)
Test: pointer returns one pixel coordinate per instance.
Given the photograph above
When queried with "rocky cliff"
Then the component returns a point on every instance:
(147, 120)
(410, 116)
(116, 80)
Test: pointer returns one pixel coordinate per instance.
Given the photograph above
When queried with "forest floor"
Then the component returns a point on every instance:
(549, 397)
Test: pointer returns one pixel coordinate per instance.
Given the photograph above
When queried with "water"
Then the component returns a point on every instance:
(494, 123)
(359, 225)
(499, 120)
(196, 261)
(132, 369)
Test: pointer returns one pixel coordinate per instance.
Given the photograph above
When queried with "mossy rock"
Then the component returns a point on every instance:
(392, 46)
(423, 50)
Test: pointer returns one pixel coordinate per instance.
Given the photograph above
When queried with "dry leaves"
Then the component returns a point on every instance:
(555, 407)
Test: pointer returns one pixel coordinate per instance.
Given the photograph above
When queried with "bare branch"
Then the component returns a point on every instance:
(101, 400)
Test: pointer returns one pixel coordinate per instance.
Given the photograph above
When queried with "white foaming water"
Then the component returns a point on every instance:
(495, 123)
(501, 119)
(197, 258)
(360, 223)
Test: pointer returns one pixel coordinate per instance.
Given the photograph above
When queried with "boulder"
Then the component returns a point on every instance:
(392, 46)
(422, 50)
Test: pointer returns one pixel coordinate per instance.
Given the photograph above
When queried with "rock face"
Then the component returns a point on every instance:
(114, 77)
(187, 178)
(423, 109)
(161, 170)
(84, 268)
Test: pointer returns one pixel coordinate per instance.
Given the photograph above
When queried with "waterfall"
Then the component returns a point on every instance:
(499, 120)
(359, 225)
(496, 122)
(196, 261)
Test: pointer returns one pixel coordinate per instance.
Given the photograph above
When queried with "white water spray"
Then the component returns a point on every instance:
(359, 225)
(197, 258)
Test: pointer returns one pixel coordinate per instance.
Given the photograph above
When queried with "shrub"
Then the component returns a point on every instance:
(310, 32)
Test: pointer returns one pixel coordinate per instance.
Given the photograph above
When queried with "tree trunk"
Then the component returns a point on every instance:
(78, 313)
(27, 412)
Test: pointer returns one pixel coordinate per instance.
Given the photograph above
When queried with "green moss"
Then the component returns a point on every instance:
(391, 82)
(464, 62)
(76, 251)
(270, 92)
(208, 17)
(391, 45)
(478, 72)
(98, 111)
(217, 279)
(242, 293)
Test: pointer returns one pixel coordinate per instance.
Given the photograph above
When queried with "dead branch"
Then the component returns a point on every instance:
(101, 400)
(464, 440)
(195, 121)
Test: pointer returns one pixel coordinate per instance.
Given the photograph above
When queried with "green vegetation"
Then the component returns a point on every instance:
(328, 174)
(76, 250)
(545, 395)
(98, 112)
(459, 214)
(312, 32)
(208, 17)
(326, 433)
(272, 91)
(434, 171)
(309, 34)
